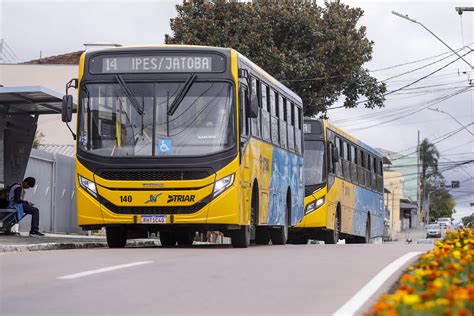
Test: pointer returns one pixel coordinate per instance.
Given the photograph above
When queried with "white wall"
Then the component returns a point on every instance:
(53, 77)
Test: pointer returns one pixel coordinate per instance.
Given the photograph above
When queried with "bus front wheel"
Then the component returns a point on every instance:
(332, 236)
(241, 237)
(116, 236)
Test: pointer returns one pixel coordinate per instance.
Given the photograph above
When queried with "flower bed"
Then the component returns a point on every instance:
(440, 283)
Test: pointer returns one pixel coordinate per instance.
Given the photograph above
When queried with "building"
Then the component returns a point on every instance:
(393, 184)
(53, 73)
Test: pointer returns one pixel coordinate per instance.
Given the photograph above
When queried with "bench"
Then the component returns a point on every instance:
(7, 219)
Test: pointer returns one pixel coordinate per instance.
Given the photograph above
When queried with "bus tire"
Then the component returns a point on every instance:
(167, 238)
(116, 236)
(263, 236)
(279, 235)
(332, 236)
(254, 211)
(366, 238)
(297, 240)
(185, 238)
(241, 237)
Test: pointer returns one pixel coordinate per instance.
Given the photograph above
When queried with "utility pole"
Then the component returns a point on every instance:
(406, 17)
(418, 200)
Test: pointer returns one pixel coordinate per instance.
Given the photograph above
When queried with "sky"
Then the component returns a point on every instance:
(57, 27)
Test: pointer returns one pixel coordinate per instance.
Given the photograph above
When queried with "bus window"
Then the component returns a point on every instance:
(297, 130)
(243, 97)
(341, 148)
(374, 174)
(274, 118)
(265, 113)
(282, 119)
(346, 164)
(353, 164)
(273, 109)
(255, 122)
(360, 168)
(368, 178)
(291, 126)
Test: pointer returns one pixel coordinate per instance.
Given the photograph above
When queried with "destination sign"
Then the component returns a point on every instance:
(157, 64)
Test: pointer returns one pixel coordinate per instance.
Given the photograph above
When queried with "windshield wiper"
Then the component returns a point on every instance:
(177, 101)
(140, 110)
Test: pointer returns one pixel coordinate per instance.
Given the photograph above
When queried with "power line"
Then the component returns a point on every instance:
(410, 84)
(412, 112)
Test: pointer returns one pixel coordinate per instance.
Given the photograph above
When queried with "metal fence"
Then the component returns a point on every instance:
(54, 193)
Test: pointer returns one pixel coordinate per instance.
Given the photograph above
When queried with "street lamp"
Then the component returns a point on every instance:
(406, 17)
(463, 126)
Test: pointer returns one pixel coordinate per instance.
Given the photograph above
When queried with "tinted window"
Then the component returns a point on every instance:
(255, 122)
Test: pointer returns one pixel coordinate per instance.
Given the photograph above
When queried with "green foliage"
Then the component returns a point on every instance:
(318, 51)
(468, 219)
(441, 204)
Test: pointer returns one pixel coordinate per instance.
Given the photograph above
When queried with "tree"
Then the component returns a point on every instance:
(468, 219)
(429, 156)
(318, 51)
(441, 204)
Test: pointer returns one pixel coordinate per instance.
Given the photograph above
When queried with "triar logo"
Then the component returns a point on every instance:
(181, 198)
(153, 198)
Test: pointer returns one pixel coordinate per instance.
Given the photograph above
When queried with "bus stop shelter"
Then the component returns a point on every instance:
(20, 108)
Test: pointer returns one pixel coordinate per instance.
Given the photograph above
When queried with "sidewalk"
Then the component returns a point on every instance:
(417, 235)
(23, 242)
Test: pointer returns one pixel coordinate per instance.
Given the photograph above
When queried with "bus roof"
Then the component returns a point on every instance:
(357, 141)
(270, 78)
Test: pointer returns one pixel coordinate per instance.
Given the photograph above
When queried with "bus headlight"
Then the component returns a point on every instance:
(223, 184)
(88, 185)
(314, 205)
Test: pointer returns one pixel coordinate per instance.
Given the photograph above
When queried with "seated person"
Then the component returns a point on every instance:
(15, 198)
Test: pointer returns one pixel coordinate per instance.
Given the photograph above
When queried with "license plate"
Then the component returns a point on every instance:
(153, 219)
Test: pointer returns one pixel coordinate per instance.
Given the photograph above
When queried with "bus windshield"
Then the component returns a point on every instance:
(314, 163)
(112, 124)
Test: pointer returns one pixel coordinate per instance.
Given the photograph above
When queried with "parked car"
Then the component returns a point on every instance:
(433, 231)
(444, 222)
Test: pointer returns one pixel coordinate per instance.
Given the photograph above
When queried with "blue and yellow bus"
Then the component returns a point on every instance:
(180, 139)
(343, 187)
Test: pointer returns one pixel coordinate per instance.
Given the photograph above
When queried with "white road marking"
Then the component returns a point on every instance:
(107, 269)
(359, 299)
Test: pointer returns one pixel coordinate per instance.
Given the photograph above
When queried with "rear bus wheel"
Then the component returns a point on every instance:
(116, 236)
(279, 235)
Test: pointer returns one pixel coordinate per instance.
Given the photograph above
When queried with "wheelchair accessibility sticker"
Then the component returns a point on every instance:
(165, 146)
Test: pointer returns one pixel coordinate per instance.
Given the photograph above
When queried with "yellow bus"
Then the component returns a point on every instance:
(343, 187)
(186, 139)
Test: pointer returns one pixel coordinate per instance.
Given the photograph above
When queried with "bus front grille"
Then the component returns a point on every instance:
(163, 210)
(153, 175)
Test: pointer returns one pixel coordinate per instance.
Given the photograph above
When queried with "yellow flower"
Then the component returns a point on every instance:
(411, 299)
(458, 244)
(457, 254)
(438, 282)
(442, 301)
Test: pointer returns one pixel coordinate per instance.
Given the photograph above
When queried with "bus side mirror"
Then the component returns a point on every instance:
(335, 154)
(253, 106)
(66, 111)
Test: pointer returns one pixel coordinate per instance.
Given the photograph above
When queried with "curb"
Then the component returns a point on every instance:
(72, 245)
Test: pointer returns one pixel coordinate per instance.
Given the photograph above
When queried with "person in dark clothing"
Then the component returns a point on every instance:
(15, 197)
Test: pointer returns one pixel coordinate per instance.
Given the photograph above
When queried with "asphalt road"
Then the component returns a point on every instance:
(203, 280)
